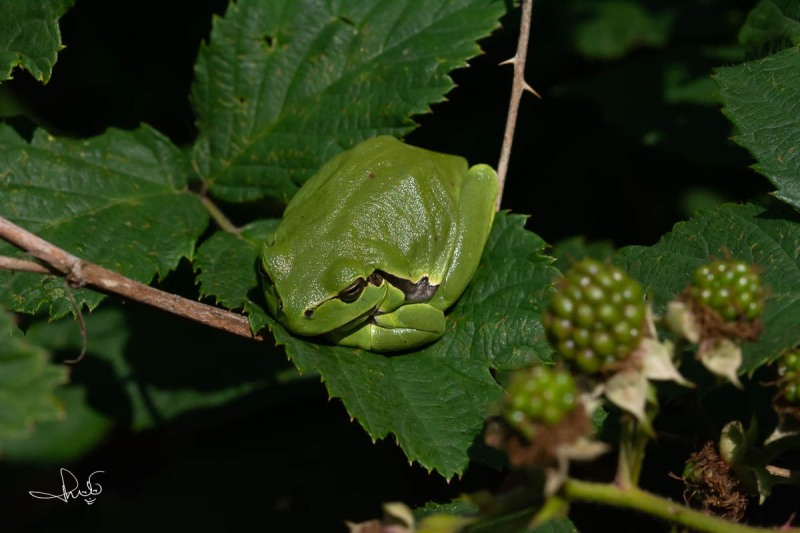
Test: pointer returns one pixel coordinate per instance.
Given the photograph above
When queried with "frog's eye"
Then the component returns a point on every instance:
(375, 279)
(351, 293)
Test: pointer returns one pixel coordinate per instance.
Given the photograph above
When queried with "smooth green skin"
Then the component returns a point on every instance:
(383, 207)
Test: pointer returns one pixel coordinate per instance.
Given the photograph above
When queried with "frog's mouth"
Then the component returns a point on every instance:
(357, 321)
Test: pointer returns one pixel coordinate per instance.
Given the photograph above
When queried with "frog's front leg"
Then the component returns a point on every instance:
(406, 327)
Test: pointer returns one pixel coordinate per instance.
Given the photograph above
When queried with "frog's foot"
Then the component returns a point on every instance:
(409, 326)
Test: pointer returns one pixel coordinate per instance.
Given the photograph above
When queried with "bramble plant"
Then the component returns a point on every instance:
(620, 359)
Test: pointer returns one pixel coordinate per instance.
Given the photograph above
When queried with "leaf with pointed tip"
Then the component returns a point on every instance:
(283, 86)
(30, 37)
(119, 199)
(722, 357)
(767, 238)
(761, 98)
(628, 391)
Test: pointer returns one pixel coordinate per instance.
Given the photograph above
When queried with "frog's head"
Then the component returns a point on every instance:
(313, 297)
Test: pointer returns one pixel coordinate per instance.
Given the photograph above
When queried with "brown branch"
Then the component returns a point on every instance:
(20, 265)
(80, 273)
(518, 86)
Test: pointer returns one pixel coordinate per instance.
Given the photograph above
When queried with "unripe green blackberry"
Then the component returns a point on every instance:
(789, 369)
(596, 316)
(731, 288)
(541, 395)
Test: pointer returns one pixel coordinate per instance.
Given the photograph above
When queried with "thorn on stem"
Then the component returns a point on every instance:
(530, 89)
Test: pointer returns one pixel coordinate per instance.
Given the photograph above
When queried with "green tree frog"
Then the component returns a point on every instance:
(376, 246)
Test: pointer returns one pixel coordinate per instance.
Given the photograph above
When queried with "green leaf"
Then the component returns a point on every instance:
(771, 26)
(119, 199)
(27, 383)
(29, 36)
(81, 429)
(500, 312)
(609, 29)
(285, 85)
(768, 238)
(457, 507)
(227, 265)
(143, 372)
(434, 400)
(761, 98)
(572, 249)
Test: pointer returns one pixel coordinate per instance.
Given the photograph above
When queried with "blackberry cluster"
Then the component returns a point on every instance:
(542, 395)
(595, 319)
(789, 369)
(731, 288)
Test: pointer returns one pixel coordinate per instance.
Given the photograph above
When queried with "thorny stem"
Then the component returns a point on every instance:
(639, 500)
(81, 273)
(517, 88)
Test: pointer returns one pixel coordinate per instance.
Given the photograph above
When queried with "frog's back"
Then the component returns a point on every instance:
(383, 200)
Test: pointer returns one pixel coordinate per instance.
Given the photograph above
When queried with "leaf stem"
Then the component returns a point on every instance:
(81, 273)
(216, 213)
(518, 86)
(639, 500)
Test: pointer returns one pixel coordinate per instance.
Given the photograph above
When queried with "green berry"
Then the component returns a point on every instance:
(789, 370)
(542, 395)
(587, 360)
(791, 391)
(791, 361)
(731, 288)
(596, 317)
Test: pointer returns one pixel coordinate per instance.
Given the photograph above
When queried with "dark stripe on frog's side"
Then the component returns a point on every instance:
(421, 291)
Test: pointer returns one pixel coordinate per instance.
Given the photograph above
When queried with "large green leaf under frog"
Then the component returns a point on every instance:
(433, 400)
